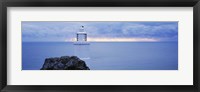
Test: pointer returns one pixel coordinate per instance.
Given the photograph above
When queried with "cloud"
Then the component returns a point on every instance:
(66, 31)
(163, 31)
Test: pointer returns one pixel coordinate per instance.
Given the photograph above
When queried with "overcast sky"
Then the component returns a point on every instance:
(100, 31)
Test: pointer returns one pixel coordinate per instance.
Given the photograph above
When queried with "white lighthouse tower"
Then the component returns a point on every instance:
(81, 37)
(81, 44)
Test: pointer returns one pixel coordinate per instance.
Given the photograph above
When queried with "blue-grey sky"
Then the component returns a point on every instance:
(100, 31)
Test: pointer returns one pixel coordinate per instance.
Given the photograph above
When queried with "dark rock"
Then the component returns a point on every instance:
(64, 63)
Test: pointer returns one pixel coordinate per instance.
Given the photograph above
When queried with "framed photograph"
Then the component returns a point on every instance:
(127, 45)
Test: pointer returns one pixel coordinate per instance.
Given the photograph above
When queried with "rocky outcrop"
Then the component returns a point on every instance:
(64, 63)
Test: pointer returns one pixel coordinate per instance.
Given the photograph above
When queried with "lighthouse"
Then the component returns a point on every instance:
(81, 37)
(81, 45)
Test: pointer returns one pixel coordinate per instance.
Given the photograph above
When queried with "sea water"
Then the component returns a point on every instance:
(106, 55)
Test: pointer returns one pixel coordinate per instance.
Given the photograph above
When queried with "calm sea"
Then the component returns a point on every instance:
(107, 55)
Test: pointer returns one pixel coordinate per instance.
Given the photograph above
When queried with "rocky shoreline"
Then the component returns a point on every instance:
(64, 63)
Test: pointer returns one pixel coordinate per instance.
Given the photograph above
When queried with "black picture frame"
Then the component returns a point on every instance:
(99, 3)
